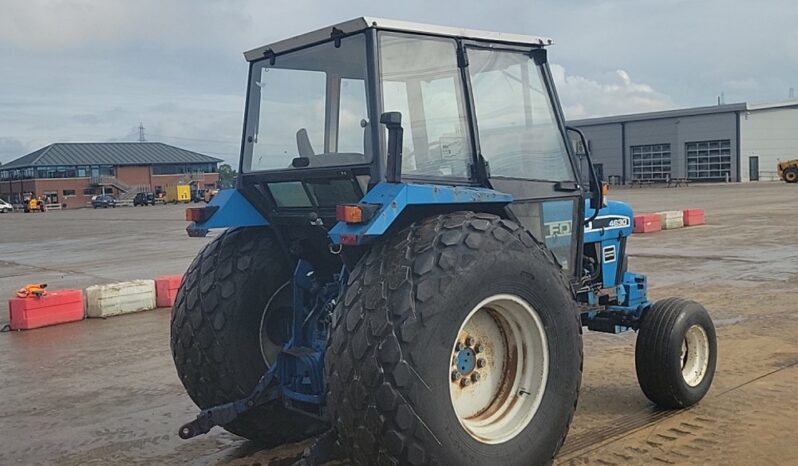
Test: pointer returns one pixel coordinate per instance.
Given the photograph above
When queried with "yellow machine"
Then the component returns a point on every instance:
(178, 193)
(34, 205)
(788, 170)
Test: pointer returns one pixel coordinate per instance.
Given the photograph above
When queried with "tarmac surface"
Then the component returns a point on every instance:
(106, 392)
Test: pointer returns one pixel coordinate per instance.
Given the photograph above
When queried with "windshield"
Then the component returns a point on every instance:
(309, 109)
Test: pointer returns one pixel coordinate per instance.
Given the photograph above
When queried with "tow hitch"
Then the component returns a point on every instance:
(226, 413)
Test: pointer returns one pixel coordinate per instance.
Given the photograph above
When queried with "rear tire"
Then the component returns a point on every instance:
(791, 175)
(216, 331)
(392, 350)
(676, 353)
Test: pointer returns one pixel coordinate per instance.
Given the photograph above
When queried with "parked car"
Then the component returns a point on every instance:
(105, 201)
(144, 199)
(5, 207)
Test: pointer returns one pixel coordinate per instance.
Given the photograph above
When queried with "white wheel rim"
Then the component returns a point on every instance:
(500, 365)
(695, 355)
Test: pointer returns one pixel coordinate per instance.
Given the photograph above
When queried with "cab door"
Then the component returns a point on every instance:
(522, 146)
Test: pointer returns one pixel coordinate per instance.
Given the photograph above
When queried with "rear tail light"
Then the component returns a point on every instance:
(200, 214)
(349, 240)
(355, 213)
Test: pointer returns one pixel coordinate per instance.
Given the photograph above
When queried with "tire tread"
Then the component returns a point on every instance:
(410, 267)
(210, 350)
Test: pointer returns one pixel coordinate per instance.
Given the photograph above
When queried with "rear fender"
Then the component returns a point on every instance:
(229, 208)
(396, 201)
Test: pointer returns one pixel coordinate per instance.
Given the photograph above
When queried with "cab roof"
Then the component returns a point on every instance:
(363, 23)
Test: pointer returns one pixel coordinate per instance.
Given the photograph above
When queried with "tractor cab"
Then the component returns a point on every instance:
(468, 109)
(410, 253)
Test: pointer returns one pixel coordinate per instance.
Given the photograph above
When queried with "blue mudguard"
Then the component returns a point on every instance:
(229, 208)
(393, 198)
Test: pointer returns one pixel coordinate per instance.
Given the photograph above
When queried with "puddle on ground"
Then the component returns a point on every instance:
(729, 321)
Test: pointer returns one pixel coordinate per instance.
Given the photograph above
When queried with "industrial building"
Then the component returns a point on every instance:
(732, 142)
(69, 174)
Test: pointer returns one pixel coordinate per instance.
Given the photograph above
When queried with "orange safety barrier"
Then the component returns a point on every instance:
(693, 217)
(166, 290)
(647, 223)
(56, 307)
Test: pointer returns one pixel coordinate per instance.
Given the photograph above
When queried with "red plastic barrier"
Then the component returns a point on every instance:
(166, 290)
(56, 307)
(693, 217)
(647, 223)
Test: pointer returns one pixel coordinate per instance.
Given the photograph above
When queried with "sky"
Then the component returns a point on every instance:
(91, 70)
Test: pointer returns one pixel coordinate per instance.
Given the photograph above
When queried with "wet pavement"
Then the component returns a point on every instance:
(105, 391)
(83, 247)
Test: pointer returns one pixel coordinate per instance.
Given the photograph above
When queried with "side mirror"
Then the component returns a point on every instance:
(393, 121)
(596, 190)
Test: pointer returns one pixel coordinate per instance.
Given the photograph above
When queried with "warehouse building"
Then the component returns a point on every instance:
(734, 142)
(69, 174)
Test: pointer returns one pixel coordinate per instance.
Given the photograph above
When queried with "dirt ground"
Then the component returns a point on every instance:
(105, 391)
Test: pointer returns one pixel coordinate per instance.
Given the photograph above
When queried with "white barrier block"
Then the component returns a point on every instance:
(120, 298)
(671, 219)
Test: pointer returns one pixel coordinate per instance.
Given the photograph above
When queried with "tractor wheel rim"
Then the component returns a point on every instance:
(695, 355)
(269, 349)
(499, 368)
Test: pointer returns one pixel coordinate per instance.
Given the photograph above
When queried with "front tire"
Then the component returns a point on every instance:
(791, 175)
(218, 333)
(402, 331)
(676, 353)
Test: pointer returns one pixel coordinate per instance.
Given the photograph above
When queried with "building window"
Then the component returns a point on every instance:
(651, 162)
(181, 169)
(69, 192)
(51, 197)
(709, 160)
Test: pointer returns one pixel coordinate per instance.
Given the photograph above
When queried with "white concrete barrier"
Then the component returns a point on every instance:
(120, 298)
(671, 219)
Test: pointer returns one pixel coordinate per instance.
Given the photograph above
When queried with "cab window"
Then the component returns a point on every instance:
(420, 79)
(518, 132)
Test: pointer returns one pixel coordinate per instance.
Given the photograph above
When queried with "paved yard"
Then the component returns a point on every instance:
(105, 391)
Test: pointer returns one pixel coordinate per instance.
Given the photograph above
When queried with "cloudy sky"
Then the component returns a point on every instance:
(90, 70)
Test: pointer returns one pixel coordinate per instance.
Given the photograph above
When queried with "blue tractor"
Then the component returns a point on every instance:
(410, 255)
